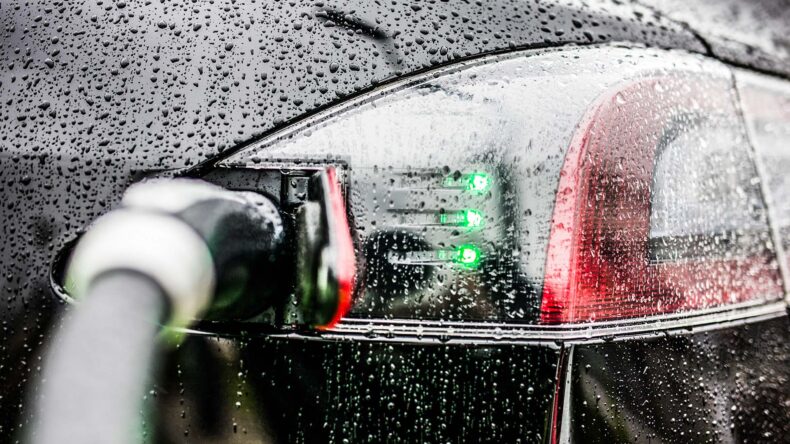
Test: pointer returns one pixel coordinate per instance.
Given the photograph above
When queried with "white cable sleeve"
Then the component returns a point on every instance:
(157, 245)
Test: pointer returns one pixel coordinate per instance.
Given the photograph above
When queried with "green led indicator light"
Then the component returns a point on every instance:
(475, 183)
(478, 183)
(468, 256)
(469, 219)
(472, 218)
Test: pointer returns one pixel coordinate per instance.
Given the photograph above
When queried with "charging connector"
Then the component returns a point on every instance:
(177, 251)
(217, 254)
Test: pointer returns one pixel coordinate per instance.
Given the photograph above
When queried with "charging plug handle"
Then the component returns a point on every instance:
(215, 253)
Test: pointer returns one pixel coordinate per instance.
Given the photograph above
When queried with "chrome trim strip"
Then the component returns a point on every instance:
(477, 333)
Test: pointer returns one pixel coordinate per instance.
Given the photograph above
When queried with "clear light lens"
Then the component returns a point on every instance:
(582, 216)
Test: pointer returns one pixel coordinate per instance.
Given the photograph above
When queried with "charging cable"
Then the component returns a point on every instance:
(175, 251)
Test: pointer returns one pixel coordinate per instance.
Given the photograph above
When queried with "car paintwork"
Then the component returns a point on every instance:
(96, 95)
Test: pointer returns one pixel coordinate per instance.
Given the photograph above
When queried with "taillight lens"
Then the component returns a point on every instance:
(659, 208)
(546, 187)
(766, 106)
(340, 264)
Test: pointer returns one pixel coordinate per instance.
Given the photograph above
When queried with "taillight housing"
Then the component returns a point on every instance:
(545, 188)
(655, 213)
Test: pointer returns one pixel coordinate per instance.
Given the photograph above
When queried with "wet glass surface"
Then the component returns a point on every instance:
(459, 182)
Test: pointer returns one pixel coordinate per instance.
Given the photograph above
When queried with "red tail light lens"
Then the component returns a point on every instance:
(659, 208)
(342, 248)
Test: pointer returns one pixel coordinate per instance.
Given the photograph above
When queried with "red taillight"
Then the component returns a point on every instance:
(340, 234)
(600, 265)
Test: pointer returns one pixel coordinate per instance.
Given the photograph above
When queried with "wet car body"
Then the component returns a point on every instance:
(97, 96)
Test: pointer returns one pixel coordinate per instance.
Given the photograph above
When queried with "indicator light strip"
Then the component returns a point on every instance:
(469, 219)
(473, 182)
(467, 256)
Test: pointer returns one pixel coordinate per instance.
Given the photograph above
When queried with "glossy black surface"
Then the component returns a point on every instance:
(722, 385)
(308, 391)
(718, 386)
(95, 95)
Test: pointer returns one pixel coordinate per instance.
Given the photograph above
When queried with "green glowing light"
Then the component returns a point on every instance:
(478, 183)
(475, 183)
(472, 218)
(468, 256)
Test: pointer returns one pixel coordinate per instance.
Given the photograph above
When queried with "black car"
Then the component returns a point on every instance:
(405, 221)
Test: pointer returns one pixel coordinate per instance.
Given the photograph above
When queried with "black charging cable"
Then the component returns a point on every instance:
(175, 251)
